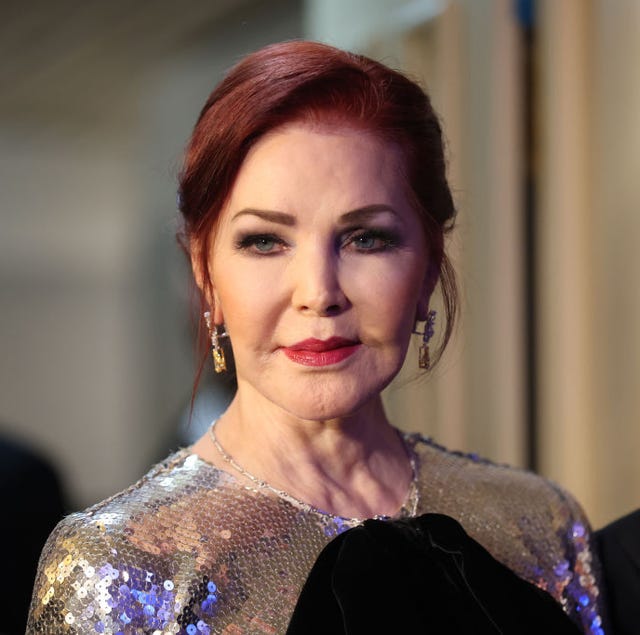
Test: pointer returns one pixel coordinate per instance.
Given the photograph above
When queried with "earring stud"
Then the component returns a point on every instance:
(219, 361)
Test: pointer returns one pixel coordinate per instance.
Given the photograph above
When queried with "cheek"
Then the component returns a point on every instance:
(389, 300)
(248, 304)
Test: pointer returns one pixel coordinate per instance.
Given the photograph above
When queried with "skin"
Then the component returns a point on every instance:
(317, 240)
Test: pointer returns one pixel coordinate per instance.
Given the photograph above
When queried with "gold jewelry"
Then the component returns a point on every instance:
(219, 361)
(424, 358)
(409, 506)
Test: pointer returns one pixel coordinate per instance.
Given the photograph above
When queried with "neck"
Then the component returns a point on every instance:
(354, 466)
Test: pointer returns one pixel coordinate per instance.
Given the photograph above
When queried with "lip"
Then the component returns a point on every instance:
(314, 352)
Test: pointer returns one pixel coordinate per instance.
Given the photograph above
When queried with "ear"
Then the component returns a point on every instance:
(196, 264)
(204, 280)
(429, 284)
(216, 305)
(423, 308)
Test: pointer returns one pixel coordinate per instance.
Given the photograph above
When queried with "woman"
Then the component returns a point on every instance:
(315, 206)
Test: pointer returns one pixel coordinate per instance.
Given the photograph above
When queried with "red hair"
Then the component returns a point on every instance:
(302, 81)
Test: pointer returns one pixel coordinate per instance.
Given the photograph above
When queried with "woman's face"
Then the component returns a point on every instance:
(319, 268)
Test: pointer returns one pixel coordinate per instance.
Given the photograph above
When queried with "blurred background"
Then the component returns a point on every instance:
(541, 109)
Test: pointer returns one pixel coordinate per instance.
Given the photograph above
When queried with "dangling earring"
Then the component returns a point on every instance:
(219, 361)
(424, 359)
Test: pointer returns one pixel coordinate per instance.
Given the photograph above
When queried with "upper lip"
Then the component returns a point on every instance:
(319, 346)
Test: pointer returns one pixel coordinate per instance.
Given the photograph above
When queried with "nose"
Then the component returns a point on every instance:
(317, 290)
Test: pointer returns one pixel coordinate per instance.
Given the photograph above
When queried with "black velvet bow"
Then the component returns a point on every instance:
(420, 575)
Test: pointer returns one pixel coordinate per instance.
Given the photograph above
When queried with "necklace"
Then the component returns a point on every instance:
(409, 506)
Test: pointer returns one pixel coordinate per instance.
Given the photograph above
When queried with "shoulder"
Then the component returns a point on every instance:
(619, 549)
(93, 559)
(497, 485)
(524, 520)
(623, 535)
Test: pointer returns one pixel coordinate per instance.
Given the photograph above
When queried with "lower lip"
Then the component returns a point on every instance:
(321, 358)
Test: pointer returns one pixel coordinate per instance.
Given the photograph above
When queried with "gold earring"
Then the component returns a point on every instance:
(219, 361)
(424, 359)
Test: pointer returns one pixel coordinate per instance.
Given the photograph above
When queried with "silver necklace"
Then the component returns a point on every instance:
(409, 506)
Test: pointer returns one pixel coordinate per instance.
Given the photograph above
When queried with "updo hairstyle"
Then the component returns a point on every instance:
(300, 81)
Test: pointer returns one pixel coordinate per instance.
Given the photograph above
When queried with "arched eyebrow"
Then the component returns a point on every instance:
(366, 213)
(269, 215)
(348, 218)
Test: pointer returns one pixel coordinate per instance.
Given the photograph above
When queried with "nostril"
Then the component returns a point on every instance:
(332, 309)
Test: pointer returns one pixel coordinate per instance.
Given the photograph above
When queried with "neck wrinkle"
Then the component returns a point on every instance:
(354, 467)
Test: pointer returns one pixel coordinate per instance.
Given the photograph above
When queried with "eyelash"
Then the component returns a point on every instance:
(389, 240)
(251, 241)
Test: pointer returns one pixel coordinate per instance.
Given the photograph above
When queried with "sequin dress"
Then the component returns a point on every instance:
(191, 550)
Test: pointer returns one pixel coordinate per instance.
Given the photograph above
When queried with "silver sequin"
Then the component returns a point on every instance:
(190, 550)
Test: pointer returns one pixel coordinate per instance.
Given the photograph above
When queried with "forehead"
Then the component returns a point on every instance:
(321, 166)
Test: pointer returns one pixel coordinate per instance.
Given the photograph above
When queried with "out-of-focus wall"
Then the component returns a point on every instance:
(97, 102)
(589, 229)
(615, 119)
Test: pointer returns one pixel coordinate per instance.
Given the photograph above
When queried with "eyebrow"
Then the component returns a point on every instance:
(281, 218)
(274, 217)
(365, 213)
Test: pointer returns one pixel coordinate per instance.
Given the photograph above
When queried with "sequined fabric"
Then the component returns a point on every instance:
(190, 550)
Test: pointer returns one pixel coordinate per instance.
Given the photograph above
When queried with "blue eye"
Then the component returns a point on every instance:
(372, 240)
(366, 241)
(261, 244)
(264, 244)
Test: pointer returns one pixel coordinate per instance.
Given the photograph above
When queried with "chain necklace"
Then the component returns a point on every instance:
(409, 506)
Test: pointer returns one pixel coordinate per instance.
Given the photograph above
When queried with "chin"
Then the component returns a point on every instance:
(320, 396)
(338, 402)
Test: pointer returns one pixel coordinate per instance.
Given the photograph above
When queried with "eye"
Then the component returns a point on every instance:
(371, 240)
(366, 241)
(261, 244)
(264, 244)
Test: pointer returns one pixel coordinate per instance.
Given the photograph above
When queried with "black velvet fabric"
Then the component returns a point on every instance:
(619, 550)
(420, 575)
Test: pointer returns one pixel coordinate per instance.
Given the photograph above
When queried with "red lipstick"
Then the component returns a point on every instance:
(313, 352)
